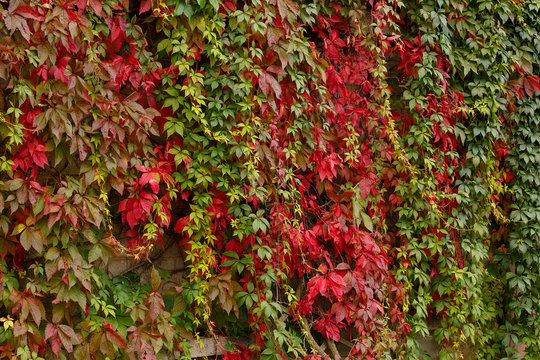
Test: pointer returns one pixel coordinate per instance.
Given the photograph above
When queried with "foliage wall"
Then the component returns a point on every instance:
(336, 175)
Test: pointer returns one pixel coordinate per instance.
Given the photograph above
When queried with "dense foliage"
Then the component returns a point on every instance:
(341, 177)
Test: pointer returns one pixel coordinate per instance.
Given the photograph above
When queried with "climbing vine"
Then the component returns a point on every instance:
(340, 178)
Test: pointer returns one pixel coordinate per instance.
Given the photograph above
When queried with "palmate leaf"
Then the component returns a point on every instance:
(327, 170)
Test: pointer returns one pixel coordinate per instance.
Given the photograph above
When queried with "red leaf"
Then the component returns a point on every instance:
(146, 202)
(327, 169)
(96, 4)
(375, 307)
(146, 5)
(328, 327)
(155, 306)
(528, 87)
(276, 70)
(117, 37)
(81, 4)
(267, 81)
(317, 285)
(336, 285)
(50, 331)
(367, 185)
(135, 210)
(36, 309)
(181, 224)
(341, 311)
(27, 12)
(56, 346)
(115, 338)
(152, 179)
(531, 85)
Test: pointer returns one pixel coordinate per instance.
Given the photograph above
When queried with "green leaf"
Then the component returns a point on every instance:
(38, 206)
(78, 296)
(231, 254)
(367, 221)
(94, 254)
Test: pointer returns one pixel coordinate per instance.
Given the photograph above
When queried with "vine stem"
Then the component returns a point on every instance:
(333, 349)
(310, 338)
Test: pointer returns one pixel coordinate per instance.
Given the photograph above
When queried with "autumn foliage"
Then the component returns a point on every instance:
(335, 174)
